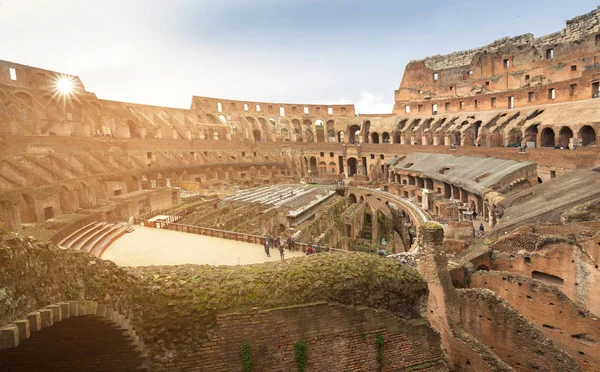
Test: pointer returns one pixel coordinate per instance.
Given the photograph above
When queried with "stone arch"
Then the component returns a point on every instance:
(385, 137)
(313, 165)
(230, 173)
(362, 199)
(252, 172)
(320, 130)
(341, 137)
(308, 131)
(587, 135)
(274, 171)
(285, 134)
(483, 267)
(455, 138)
(332, 167)
(211, 118)
(264, 171)
(59, 328)
(297, 127)
(160, 180)
(354, 132)
(221, 174)
(548, 136)
(564, 136)
(375, 137)
(330, 131)
(257, 135)
(209, 174)
(352, 166)
(134, 129)
(25, 97)
(531, 134)
(322, 167)
(67, 200)
(352, 198)
(515, 137)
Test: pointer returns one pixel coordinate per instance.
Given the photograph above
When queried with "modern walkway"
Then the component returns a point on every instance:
(150, 246)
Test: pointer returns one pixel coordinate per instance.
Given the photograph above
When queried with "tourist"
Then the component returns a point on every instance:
(481, 229)
(474, 215)
(267, 248)
(281, 250)
(318, 248)
(381, 252)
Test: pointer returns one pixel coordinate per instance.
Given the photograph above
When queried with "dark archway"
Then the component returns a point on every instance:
(313, 165)
(352, 166)
(353, 138)
(547, 137)
(385, 137)
(352, 198)
(134, 130)
(515, 137)
(587, 135)
(483, 267)
(375, 137)
(564, 136)
(256, 134)
(531, 134)
(77, 343)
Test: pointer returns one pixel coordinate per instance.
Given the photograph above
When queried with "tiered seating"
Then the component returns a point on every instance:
(95, 237)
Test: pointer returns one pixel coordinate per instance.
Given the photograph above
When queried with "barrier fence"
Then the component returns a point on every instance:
(237, 236)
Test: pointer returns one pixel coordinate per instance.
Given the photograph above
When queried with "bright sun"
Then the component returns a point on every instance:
(64, 85)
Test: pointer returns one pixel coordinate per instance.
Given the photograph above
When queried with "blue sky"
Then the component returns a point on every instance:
(297, 51)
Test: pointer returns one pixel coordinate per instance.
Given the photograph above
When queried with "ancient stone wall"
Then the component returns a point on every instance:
(518, 343)
(338, 338)
(570, 327)
(522, 67)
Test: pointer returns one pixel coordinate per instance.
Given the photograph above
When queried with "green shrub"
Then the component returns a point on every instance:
(246, 356)
(301, 349)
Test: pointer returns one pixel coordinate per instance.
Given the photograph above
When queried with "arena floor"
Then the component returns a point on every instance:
(149, 246)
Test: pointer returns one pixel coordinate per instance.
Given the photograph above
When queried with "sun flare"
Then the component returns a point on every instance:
(65, 85)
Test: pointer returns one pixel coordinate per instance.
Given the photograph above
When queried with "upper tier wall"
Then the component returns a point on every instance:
(269, 108)
(510, 72)
(577, 28)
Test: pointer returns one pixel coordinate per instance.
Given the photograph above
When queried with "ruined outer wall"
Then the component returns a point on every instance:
(481, 73)
(565, 261)
(572, 328)
(339, 338)
(488, 318)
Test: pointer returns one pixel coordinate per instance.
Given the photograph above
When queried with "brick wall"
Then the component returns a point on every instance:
(339, 338)
(508, 334)
(571, 328)
(83, 343)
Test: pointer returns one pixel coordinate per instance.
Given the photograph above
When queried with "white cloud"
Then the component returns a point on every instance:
(370, 103)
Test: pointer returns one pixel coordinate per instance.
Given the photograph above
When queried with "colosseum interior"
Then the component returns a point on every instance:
(459, 233)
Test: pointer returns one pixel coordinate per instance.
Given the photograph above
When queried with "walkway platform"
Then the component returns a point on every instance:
(149, 246)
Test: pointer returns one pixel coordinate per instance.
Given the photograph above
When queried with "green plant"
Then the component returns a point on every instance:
(301, 349)
(363, 336)
(246, 356)
(379, 340)
(72, 294)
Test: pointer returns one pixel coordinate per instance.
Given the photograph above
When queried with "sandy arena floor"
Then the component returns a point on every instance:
(148, 246)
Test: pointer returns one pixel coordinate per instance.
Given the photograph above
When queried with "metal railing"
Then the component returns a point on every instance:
(237, 236)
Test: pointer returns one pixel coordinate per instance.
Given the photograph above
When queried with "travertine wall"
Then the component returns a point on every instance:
(522, 67)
